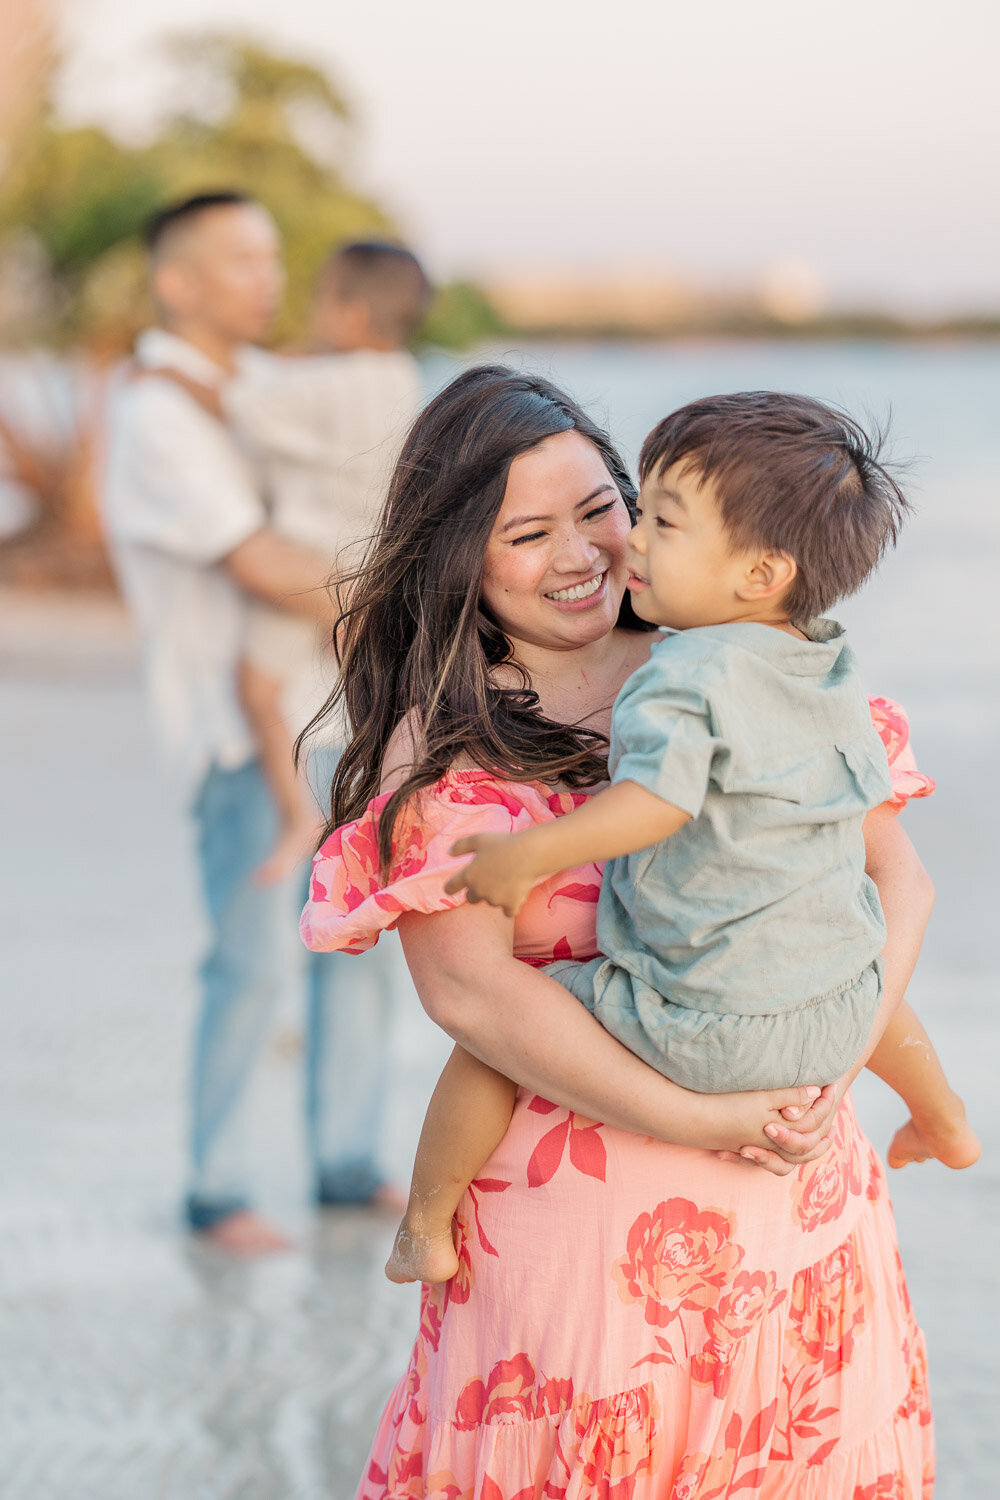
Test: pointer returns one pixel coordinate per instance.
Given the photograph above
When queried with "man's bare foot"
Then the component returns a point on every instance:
(950, 1140)
(294, 845)
(419, 1256)
(245, 1233)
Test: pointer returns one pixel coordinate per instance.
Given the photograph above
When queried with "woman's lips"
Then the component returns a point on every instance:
(580, 593)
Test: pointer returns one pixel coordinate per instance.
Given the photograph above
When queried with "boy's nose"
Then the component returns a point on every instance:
(636, 540)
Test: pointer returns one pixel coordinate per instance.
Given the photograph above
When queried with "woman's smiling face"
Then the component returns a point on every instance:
(554, 571)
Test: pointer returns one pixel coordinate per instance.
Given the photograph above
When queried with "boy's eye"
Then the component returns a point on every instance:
(664, 524)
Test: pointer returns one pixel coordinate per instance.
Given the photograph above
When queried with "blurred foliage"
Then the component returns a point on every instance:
(460, 317)
(244, 118)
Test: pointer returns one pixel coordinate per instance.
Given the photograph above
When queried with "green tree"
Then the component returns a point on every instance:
(283, 134)
(267, 125)
(245, 118)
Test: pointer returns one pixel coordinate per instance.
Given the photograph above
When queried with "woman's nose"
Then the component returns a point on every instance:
(578, 551)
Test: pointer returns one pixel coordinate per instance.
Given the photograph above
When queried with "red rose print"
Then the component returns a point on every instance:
(678, 1256)
(885, 1487)
(513, 1389)
(820, 1190)
(612, 1444)
(829, 1304)
(750, 1298)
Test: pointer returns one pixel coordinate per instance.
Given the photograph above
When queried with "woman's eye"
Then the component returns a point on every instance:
(601, 510)
(532, 536)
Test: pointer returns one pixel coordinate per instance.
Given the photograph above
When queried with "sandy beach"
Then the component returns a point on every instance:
(137, 1365)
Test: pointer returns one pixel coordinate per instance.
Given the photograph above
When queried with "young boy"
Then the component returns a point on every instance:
(325, 430)
(741, 934)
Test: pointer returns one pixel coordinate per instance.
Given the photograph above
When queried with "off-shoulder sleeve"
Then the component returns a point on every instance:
(893, 729)
(350, 904)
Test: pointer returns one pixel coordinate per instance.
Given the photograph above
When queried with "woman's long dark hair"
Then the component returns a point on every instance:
(415, 640)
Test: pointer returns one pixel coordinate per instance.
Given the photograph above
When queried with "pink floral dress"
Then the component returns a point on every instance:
(633, 1320)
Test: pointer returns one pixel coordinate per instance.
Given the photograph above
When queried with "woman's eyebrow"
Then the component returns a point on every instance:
(602, 489)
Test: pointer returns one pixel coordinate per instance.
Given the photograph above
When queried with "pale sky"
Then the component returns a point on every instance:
(860, 140)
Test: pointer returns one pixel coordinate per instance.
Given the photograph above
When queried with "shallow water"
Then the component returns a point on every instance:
(135, 1366)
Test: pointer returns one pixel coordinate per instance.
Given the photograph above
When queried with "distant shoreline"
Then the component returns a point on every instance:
(820, 331)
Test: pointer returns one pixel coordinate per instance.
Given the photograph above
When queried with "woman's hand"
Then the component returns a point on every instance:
(798, 1134)
(529, 1028)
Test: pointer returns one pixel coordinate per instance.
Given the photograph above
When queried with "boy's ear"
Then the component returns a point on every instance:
(772, 573)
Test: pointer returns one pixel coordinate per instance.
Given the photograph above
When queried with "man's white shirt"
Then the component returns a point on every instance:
(309, 451)
(180, 494)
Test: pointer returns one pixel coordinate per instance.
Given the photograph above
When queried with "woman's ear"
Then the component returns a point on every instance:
(771, 574)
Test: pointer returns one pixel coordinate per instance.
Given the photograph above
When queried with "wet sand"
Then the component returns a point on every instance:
(135, 1364)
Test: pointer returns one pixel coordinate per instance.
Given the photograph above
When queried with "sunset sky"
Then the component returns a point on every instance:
(858, 144)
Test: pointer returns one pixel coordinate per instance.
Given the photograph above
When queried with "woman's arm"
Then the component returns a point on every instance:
(907, 896)
(531, 1029)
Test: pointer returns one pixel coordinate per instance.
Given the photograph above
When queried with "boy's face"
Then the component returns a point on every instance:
(684, 572)
(340, 324)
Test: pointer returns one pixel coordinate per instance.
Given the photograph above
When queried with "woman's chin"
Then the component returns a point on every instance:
(583, 621)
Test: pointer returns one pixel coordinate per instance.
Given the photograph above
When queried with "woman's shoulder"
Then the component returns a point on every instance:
(351, 898)
(893, 728)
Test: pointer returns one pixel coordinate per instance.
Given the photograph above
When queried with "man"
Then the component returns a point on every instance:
(191, 537)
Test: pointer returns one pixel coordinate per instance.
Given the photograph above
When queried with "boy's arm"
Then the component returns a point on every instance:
(620, 820)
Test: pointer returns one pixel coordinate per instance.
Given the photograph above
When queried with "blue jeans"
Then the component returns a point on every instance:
(349, 1013)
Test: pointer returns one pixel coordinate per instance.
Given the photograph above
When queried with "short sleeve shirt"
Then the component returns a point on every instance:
(180, 494)
(761, 901)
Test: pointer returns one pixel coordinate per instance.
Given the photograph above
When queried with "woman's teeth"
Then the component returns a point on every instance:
(578, 591)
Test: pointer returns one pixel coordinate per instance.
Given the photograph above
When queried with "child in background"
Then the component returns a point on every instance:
(325, 430)
(741, 934)
(328, 429)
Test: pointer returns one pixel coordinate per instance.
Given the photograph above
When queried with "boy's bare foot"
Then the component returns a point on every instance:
(294, 845)
(245, 1233)
(949, 1139)
(419, 1256)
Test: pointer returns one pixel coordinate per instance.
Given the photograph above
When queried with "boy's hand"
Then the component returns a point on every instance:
(497, 875)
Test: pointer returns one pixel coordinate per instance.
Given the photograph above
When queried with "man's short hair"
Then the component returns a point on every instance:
(386, 276)
(792, 475)
(161, 226)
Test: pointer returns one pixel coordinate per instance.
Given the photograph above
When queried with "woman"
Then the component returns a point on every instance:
(631, 1319)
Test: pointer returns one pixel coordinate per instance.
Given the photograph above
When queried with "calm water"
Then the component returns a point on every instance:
(135, 1364)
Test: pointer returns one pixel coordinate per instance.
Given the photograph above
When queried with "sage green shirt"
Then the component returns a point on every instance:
(742, 952)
